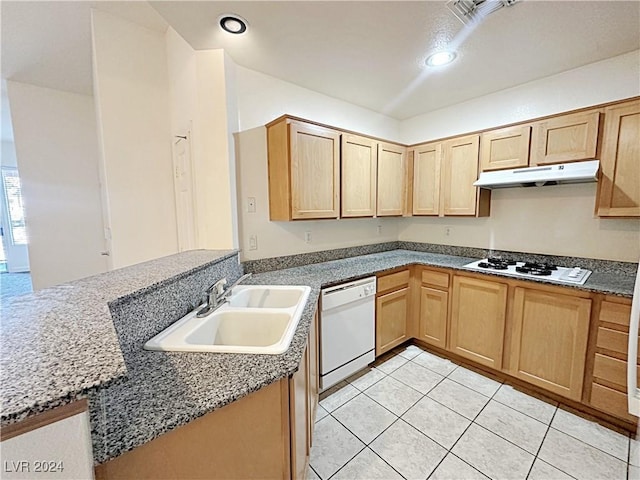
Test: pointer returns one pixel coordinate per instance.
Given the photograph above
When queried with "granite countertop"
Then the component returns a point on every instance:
(149, 393)
(60, 343)
(168, 389)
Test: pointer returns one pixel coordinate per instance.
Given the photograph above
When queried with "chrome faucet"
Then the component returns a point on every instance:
(217, 295)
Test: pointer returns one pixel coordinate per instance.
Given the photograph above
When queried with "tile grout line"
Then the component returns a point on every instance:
(366, 445)
(398, 417)
(473, 421)
(450, 450)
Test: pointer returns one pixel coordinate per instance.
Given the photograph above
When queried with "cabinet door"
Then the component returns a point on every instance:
(314, 375)
(392, 179)
(565, 138)
(505, 148)
(427, 161)
(391, 319)
(478, 310)
(432, 323)
(460, 160)
(619, 186)
(299, 417)
(315, 175)
(550, 340)
(359, 160)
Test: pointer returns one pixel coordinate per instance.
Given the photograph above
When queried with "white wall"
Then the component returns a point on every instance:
(606, 81)
(287, 238)
(57, 150)
(556, 220)
(8, 154)
(262, 98)
(131, 89)
(66, 443)
(202, 99)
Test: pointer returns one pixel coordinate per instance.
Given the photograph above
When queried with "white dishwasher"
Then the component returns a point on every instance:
(347, 330)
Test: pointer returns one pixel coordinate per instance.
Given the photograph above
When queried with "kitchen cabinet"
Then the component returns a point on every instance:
(443, 176)
(608, 390)
(460, 170)
(478, 311)
(299, 415)
(392, 180)
(359, 165)
(433, 310)
(505, 148)
(549, 340)
(266, 434)
(392, 310)
(304, 170)
(619, 184)
(314, 375)
(565, 138)
(427, 164)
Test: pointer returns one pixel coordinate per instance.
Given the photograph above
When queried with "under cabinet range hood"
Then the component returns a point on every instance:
(578, 172)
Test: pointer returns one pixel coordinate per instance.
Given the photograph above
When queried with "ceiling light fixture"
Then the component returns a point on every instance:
(233, 23)
(440, 58)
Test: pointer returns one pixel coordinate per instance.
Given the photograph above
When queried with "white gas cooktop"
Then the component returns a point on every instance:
(573, 276)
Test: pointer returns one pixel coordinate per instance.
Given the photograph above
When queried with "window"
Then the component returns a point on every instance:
(13, 197)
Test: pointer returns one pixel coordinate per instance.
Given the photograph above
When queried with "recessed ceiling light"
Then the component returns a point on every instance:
(440, 58)
(233, 23)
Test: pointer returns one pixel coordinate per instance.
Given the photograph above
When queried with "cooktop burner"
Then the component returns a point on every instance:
(575, 276)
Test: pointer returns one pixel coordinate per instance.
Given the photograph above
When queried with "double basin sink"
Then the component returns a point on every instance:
(258, 319)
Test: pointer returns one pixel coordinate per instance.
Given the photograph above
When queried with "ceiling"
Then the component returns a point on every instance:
(369, 53)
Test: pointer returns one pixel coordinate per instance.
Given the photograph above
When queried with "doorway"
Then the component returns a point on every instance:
(13, 228)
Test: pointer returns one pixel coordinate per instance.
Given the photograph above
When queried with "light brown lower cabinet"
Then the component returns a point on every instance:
(433, 307)
(549, 341)
(391, 320)
(265, 435)
(608, 390)
(392, 310)
(478, 312)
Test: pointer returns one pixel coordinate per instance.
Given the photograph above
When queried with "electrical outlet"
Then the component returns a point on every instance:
(307, 237)
(447, 231)
(251, 205)
(253, 242)
(379, 230)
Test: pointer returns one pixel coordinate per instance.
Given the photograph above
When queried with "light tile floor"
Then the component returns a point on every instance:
(415, 415)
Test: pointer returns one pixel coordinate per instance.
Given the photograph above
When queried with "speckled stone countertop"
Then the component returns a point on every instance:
(167, 389)
(59, 344)
(148, 393)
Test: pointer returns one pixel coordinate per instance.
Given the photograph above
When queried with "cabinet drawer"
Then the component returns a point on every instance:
(435, 279)
(618, 313)
(614, 340)
(610, 369)
(611, 401)
(393, 280)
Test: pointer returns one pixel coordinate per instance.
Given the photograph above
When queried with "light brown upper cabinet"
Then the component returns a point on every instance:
(392, 180)
(505, 148)
(304, 170)
(359, 161)
(460, 170)
(478, 312)
(427, 163)
(443, 176)
(565, 138)
(619, 186)
(549, 340)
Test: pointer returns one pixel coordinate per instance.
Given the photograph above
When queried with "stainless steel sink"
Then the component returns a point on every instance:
(257, 319)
